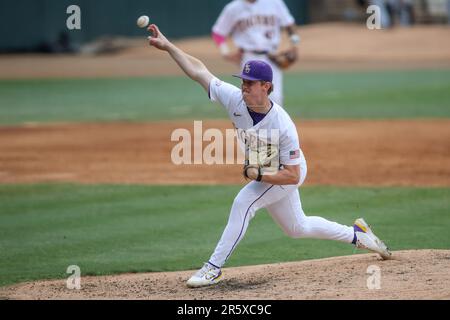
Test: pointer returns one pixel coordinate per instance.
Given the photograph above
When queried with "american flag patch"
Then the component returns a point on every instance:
(295, 154)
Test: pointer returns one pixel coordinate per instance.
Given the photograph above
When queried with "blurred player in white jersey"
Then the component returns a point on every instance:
(255, 27)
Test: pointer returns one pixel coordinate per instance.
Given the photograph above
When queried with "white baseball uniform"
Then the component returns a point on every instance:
(282, 202)
(256, 29)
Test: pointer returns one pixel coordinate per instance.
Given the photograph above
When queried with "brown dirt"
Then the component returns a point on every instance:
(339, 152)
(415, 274)
(332, 46)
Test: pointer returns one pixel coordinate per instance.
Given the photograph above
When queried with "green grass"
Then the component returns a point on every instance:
(387, 94)
(382, 94)
(112, 229)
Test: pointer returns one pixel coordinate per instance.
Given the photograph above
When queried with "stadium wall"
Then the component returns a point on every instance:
(30, 24)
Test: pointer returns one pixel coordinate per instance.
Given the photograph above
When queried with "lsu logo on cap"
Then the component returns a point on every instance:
(247, 68)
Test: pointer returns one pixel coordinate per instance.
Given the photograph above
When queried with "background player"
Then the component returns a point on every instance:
(252, 111)
(255, 27)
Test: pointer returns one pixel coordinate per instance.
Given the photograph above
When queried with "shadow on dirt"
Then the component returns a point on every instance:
(239, 285)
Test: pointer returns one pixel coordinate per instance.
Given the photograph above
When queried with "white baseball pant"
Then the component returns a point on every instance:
(284, 205)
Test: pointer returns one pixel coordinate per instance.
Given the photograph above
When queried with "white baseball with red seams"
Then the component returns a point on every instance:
(143, 21)
(256, 27)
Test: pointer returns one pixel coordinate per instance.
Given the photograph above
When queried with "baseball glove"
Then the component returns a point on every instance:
(264, 160)
(284, 59)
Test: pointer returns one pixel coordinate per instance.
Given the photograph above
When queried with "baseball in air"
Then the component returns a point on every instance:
(143, 21)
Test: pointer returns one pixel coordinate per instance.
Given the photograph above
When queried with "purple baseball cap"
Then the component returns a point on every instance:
(256, 70)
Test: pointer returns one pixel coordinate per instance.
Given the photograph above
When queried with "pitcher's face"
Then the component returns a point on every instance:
(254, 93)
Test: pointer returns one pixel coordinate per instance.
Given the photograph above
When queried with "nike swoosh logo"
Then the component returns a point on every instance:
(237, 114)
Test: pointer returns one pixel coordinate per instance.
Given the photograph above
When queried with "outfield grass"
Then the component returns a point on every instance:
(112, 229)
(381, 94)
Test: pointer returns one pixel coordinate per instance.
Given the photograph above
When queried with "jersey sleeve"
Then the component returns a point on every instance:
(286, 18)
(290, 153)
(224, 93)
(225, 22)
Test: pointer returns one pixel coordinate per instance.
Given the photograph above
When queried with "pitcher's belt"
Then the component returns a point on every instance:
(256, 51)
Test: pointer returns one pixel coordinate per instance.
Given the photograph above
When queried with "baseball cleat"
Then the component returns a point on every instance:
(366, 239)
(206, 276)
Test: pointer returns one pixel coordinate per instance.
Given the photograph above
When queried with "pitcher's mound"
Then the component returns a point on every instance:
(416, 274)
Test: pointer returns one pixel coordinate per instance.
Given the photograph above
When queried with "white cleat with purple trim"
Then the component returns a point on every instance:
(366, 239)
(206, 276)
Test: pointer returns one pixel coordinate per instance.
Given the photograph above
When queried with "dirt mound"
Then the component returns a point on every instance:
(417, 274)
(338, 152)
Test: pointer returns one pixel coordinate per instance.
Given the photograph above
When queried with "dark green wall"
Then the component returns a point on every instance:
(28, 23)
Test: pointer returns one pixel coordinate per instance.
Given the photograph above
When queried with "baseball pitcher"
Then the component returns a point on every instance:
(269, 134)
(255, 27)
